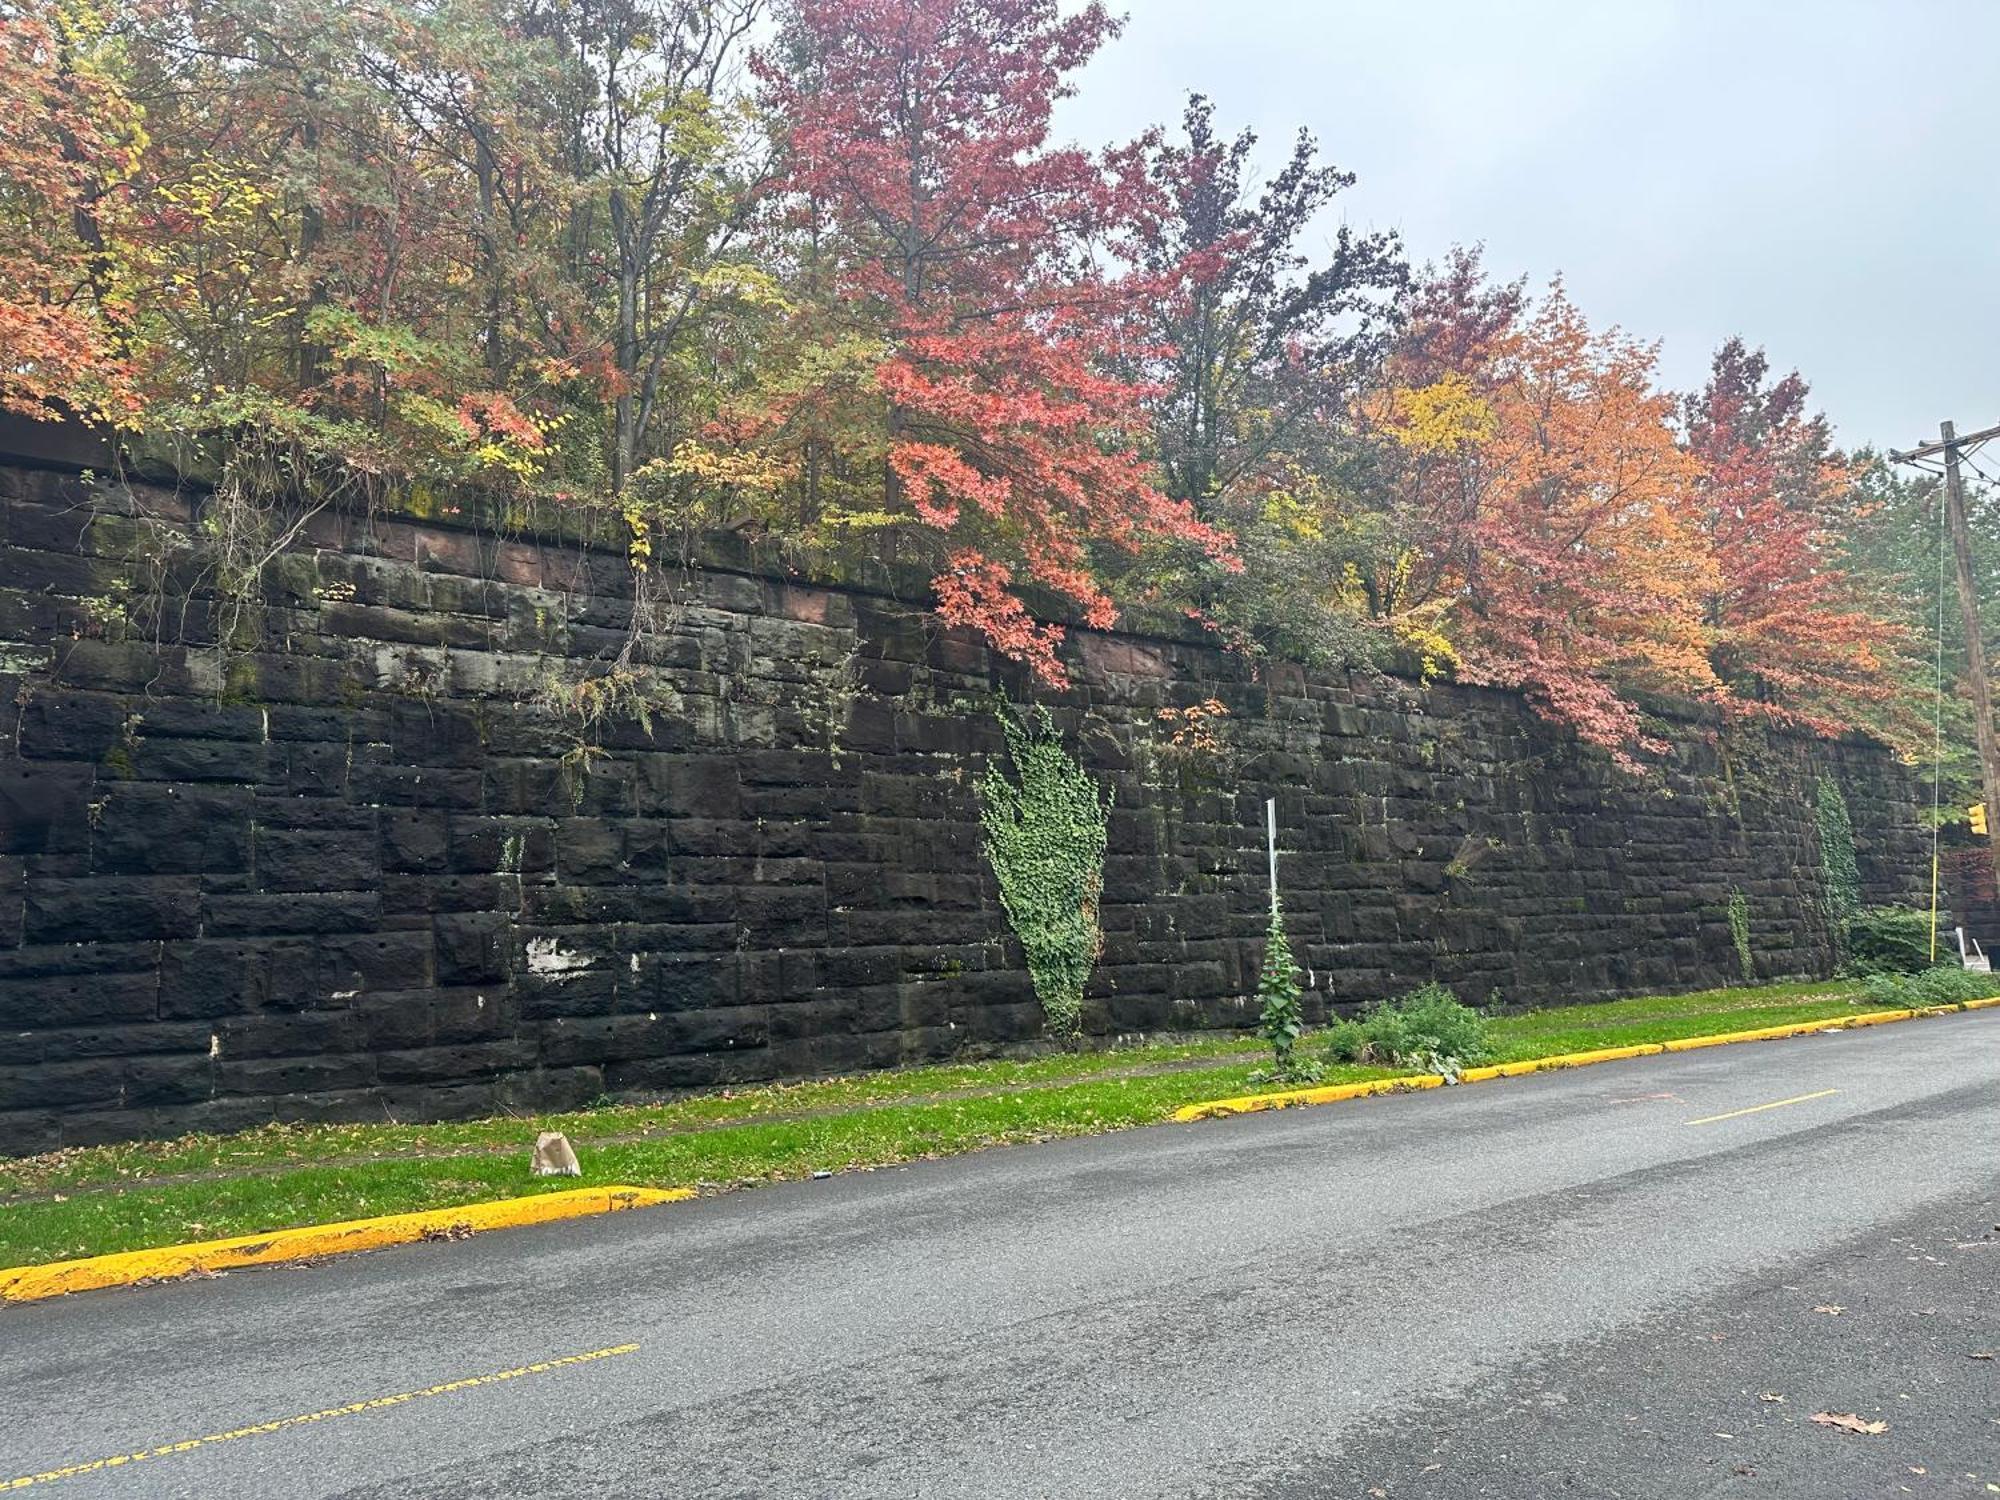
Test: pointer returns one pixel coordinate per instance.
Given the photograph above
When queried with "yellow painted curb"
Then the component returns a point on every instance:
(1245, 1104)
(29, 1283)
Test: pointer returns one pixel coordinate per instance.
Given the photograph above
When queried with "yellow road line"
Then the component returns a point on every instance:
(1758, 1109)
(378, 1403)
(28, 1283)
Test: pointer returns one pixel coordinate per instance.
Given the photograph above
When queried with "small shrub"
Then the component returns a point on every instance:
(1345, 1041)
(1940, 986)
(1888, 940)
(1427, 1028)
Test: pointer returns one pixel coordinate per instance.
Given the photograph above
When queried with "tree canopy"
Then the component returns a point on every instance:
(822, 266)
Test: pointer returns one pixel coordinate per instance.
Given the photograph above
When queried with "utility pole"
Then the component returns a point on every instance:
(1951, 445)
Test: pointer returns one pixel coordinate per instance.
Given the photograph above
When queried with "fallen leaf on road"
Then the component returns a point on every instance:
(1770, 1396)
(1980, 1354)
(1831, 1309)
(1847, 1421)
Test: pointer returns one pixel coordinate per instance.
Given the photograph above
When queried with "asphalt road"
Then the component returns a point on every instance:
(1575, 1284)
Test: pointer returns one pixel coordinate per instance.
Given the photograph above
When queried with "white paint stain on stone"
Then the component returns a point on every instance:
(547, 956)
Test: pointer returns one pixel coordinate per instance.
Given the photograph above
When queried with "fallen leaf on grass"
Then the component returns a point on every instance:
(1831, 1309)
(1847, 1421)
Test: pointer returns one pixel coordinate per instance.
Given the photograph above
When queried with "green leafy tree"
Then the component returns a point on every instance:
(1889, 538)
(1257, 351)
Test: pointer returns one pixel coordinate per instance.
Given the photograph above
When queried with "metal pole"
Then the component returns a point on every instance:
(1975, 649)
(1271, 833)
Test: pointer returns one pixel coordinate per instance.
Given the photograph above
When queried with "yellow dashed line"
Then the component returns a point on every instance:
(1758, 1109)
(260, 1429)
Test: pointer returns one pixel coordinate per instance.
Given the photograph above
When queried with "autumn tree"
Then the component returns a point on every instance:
(1791, 634)
(978, 261)
(1255, 352)
(1542, 500)
(69, 139)
(1257, 346)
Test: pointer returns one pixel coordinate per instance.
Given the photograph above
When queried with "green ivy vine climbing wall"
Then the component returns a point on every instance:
(1044, 838)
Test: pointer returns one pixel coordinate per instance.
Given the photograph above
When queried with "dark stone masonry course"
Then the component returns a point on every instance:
(348, 873)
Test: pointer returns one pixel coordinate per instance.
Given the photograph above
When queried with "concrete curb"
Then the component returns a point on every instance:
(31, 1283)
(1247, 1104)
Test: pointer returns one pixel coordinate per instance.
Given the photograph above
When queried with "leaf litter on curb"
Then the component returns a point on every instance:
(1847, 1421)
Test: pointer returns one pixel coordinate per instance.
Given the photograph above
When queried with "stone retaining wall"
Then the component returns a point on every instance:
(348, 873)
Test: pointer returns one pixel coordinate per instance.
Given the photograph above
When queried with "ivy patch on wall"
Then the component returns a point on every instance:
(1044, 838)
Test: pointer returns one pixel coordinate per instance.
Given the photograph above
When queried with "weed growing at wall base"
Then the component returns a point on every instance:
(1282, 1021)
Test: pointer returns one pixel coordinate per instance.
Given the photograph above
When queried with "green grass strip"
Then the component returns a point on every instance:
(96, 1200)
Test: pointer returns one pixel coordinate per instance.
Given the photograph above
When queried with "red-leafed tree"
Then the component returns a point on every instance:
(982, 262)
(1790, 634)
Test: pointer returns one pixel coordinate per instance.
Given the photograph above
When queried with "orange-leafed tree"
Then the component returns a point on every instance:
(1546, 502)
(1791, 635)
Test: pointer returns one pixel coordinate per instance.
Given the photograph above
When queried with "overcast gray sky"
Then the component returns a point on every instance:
(1817, 175)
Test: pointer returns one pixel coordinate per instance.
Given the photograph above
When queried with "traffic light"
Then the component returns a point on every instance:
(1978, 814)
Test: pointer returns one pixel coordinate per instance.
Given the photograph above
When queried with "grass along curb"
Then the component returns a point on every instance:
(212, 1257)
(90, 1201)
(1244, 1104)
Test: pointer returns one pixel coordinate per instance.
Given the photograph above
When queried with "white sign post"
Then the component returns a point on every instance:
(1271, 833)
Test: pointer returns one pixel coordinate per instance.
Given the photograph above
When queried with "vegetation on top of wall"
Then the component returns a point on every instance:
(1044, 839)
(629, 272)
